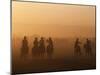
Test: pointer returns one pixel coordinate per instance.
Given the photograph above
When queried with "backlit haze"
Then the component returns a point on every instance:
(56, 20)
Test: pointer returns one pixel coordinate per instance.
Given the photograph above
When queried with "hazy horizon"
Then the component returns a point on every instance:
(55, 20)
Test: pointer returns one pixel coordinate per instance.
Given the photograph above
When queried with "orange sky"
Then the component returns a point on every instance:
(56, 20)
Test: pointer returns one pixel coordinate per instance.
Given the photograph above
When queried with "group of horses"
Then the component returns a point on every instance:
(39, 48)
(87, 47)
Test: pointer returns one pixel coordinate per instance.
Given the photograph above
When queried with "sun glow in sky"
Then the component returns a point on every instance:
(56, 20)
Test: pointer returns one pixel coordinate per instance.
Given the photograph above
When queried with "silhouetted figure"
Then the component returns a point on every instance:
(77, 47)
(35, 49)
(87, 46)
(50, 47)
(24, 48)
(41, 47)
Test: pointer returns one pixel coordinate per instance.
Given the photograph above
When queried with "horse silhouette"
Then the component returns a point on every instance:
(41, 47)
(35, 49)
(87, 47)
(24, 48)
(77, 48)
(50, 48)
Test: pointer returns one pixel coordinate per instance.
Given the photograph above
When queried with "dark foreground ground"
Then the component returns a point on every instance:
(50, 65)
